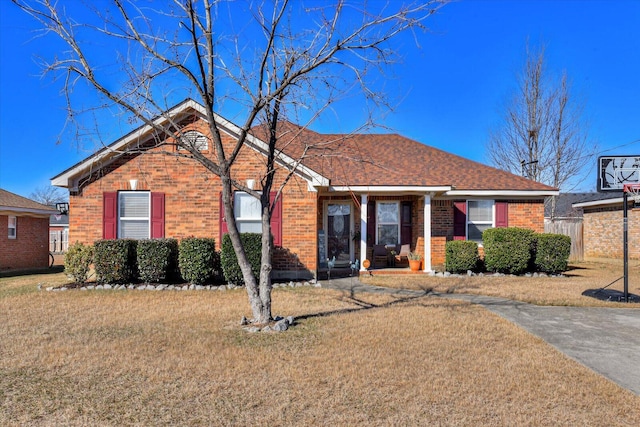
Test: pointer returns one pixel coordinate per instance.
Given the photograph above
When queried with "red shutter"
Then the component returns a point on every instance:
(405, 223)
(276, 219)
(371, 223)
(110, 215)
(502, 214)
(460, 220)
(223, 221)
(157, 215)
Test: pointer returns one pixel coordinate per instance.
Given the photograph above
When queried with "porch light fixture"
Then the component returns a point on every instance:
(133, 184)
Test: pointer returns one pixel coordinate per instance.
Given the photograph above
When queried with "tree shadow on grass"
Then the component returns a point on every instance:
(52, 270)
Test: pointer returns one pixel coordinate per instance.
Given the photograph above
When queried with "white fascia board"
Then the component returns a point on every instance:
(6, 210)
(598, 203)
(501, 193)
(389, 189)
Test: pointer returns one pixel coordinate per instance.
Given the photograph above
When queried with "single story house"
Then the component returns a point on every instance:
(603, 227)
(349, 194)
(24, 232)
(59, 233)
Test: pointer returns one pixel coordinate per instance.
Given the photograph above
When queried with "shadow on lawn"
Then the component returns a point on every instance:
(52, 270)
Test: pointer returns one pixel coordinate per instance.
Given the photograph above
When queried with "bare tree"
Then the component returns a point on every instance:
(271, 60)
(543, 136)
(48, 195)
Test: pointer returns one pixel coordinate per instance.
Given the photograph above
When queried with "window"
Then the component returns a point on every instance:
(388, 221)
(195, 139)
(134, 214)
(246, 209)
(479, 218)
(13, 227)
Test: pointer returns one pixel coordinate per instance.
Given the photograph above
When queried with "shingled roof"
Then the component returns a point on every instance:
(10, 202)
(392, 160)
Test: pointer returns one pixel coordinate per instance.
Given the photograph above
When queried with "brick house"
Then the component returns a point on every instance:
(350, 193)
(603, 227)
(24, 232)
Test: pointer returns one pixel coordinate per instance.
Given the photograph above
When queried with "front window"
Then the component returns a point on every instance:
(13, 227)
(133, 214)
(246, 209)
(388, 220)
(479, 218)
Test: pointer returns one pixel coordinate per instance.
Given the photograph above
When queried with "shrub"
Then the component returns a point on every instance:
(115, 260)
(157, 259)
(77, 262)
(552, 252)
(252, 243)
(198, 260)
(461, 255)
(508, 250)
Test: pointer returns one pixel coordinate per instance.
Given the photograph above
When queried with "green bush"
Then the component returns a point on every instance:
(198, 260)
(461, 255)
(115, 261)
(552, 252)
(77, 262)
(252, 243)
(157, 259)
(508, 250)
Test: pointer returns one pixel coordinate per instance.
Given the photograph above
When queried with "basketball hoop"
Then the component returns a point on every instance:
(633, 191)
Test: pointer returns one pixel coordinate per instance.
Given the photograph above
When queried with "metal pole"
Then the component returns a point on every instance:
(625, 242)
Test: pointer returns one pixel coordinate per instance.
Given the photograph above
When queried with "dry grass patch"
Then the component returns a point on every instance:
(565, 290)
(175, 358)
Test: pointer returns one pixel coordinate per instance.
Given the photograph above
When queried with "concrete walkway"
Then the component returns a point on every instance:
(606, 340)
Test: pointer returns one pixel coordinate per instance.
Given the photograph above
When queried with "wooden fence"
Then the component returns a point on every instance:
(571, 227)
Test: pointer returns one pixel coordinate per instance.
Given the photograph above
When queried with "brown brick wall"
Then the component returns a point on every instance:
(192, 199)
(30, 248)
(527, 214)
(602, 232)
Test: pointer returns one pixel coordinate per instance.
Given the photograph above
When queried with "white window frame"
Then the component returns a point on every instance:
(491, 223)
(196, 139)
(122, 194)
(379, 223)
(250, 219)
(13, 227)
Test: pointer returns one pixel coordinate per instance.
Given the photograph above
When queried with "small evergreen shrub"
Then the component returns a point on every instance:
(252, 243)
(198, 260)
(157, 259)
(461, 256)
(115, 260)
(508, 250)
(77, 262)
(552, 252)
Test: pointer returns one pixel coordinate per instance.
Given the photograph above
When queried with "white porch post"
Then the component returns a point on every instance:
(427, 232)
(363, 230)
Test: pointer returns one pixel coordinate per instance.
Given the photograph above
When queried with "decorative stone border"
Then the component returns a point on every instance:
(161, 287)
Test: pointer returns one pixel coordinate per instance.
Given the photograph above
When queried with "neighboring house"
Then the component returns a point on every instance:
(24, 232)
(59, 233)
(603, 226)
(345, 197)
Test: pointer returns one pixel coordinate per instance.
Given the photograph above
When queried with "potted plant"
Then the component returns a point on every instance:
(415, 260)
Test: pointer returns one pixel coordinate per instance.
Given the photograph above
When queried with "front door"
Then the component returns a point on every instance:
(339, 233)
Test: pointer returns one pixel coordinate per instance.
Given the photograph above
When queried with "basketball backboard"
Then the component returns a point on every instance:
(616, 171)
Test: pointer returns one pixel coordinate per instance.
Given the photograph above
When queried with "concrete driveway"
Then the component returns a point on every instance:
(606, 340)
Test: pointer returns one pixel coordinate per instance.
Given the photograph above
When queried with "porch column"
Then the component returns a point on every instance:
(427, 233)
(363, 230)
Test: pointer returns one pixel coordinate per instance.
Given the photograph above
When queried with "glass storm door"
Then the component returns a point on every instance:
(339, 232)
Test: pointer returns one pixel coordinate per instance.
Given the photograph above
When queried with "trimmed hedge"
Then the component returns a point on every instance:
(157, 259)
(77, 262)
(552, 252)
(461, 256)
(508, 250)
(115, 260)
(252, 243)
(198, 260)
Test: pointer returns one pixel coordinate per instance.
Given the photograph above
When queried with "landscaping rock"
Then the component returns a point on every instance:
(280, 326)
(290, 319)
(91, 287)
(252, 329)
(107, 286)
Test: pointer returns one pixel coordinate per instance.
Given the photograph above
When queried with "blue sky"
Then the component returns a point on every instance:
(452, 87)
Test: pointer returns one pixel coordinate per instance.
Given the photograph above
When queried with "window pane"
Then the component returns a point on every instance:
(339, 210)
(134, 229)
(134, 205)
(475, 231)
(246, 206)
(249, 227)
(388, 213)
(388, 235)
(480, 210)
